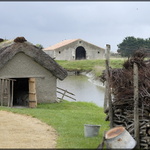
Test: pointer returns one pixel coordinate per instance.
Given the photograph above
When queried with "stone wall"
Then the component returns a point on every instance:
(22, 66)
(68, 52)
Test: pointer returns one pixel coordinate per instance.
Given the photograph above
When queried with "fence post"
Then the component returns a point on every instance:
(107, 100)
(8, 86)
(2, 91)
(136, 103)
(11, 99)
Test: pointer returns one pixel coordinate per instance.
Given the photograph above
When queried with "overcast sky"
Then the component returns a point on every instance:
(99, 23)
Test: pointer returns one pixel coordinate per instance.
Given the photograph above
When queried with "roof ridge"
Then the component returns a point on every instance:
(38, 55)
(66, 42)
(60, 44)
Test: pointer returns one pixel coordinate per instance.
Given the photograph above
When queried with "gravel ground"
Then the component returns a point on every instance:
(22, 131)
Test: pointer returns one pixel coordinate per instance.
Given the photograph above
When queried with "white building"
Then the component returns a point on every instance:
(74, 49)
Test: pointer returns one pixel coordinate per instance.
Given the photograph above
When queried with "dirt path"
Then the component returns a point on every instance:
(21, 131)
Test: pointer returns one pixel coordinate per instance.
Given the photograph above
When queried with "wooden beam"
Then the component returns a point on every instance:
(32, 93)
(136, 103)
(64, 93)
(8, 87)
(12, 92)
(34, 76)
(2, 91)
(65, 90)
(108, 100)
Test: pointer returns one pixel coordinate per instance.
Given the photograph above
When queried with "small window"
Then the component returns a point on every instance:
(59, 52)
(80, 41)
(98, 52)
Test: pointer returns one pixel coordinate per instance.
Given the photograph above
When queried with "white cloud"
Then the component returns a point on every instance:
(100, 23)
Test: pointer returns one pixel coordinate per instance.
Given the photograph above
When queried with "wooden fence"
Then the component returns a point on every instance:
(130, 107)
(6, 92)
(65, 93)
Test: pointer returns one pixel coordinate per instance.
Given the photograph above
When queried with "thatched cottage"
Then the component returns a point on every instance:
(27, 74)
(75, 49)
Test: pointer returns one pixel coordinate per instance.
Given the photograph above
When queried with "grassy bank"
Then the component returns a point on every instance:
(68, 118)
(88, 65)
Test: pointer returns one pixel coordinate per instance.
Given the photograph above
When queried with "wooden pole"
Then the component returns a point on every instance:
(8, 87)
(12, 92)
(2, 90)
(136, 103)
(107, 100)
(106, 97)
(64, 94)
(107, 53)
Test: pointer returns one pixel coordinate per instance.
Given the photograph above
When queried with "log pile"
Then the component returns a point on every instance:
(121, 82)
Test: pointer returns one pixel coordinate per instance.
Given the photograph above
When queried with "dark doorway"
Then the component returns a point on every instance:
(21, 92)
(80, 53)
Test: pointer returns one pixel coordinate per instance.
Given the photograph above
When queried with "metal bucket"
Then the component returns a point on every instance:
(91, 130)
(119, 137)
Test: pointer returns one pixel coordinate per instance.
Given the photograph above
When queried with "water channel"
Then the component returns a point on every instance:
(83, 88)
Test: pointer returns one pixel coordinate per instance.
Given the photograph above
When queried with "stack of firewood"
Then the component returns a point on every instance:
(122, 86)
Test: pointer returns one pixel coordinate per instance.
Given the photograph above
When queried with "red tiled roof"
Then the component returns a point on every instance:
(63, 43)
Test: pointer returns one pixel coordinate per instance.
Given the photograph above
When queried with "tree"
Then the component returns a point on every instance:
(131, 44)
(39, 46)
(127, 47)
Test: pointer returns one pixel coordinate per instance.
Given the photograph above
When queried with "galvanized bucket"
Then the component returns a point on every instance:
(91, 130)
(119, 137)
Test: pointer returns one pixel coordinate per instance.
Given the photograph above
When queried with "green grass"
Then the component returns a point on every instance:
(82, 65)
(68, 118)
(89, 65)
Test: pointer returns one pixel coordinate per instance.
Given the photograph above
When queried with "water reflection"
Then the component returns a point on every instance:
(83, 89)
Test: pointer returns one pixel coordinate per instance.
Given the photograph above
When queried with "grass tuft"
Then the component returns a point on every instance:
(90, 65)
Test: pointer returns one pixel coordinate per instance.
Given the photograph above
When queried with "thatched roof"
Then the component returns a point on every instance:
(10, 48)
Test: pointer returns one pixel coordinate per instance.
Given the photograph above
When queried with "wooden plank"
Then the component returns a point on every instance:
(65, 90)
(2, 91)
(32, 85)
(70, 97)
(108, 99)
(60, 92)
(107, 63)
(8, 86)
(12, 93)
(32, 93)
(32, 97)
(36, 76)
(136, 103)
(5, 91)
(64, 93)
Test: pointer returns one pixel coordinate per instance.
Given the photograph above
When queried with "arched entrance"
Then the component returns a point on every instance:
(80, 53)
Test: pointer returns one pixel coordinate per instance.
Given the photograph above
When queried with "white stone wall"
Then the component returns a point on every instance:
(22, 66)
(50, 53)
(68, 52)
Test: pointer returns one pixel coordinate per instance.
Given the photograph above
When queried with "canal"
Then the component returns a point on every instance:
(83, 88)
